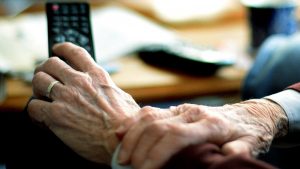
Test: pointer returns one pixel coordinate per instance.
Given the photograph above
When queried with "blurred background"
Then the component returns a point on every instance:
(122, 28)
(162, 52)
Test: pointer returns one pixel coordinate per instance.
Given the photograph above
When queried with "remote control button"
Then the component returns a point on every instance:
(83, 18)
(55, 30)
(74, 18)
(59, 38)
(83, 40)
(56, 18)
(71, 32)
(66, 24)
(74, 9)
(57, 24)
(83, 9)
(85, 30)
(75, 24)
(65, 19)
(55, 8)
(84, 24)
(65, 9)
(71, 39)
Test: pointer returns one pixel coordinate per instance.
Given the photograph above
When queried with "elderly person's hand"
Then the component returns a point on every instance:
(84, 107)
(247, 127)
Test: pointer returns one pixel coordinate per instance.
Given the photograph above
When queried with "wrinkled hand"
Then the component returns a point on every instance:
(248, 127)
(85, 107)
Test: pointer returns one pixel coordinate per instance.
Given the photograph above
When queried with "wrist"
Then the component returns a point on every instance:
(270, 114)
(268, 121)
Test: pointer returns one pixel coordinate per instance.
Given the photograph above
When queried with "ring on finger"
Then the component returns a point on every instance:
(51, 85)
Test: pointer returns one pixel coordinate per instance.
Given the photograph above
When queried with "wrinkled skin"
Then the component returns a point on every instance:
(85, 107)
(90, 114)
(247, 128)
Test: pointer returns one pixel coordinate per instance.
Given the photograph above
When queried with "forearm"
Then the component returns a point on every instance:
(248, 127)
(261, 119)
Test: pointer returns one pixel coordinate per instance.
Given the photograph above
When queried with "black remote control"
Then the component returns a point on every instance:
(69, 22)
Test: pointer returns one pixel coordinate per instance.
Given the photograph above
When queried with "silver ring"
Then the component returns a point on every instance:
(50, 88)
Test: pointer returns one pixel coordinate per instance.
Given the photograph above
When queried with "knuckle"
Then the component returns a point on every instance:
(83, 81)
(36, 83)
(105, 73)
(148, 110)
(100, 73)
(148, 114)
(52, 61)
(98, 69)
(148, 117)
(67, 70)
(190, 116)
(194, 113)
(185, 105)
(37, 77)
(39, 67)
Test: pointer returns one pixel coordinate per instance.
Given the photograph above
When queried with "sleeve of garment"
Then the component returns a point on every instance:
(289, 100)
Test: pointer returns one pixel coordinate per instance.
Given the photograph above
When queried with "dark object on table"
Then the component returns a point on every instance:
(185, 58)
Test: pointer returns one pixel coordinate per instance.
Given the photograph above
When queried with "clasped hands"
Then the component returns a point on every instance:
(91, 115)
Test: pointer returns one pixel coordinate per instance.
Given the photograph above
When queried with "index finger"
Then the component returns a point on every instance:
(76, 56)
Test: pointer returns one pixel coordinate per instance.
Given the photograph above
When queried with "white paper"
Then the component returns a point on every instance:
(268, 3)
(118, 31)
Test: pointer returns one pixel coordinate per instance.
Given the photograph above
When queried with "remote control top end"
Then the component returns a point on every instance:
(69, 22)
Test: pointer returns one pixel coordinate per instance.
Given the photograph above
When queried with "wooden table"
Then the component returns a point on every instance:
(148, 83)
